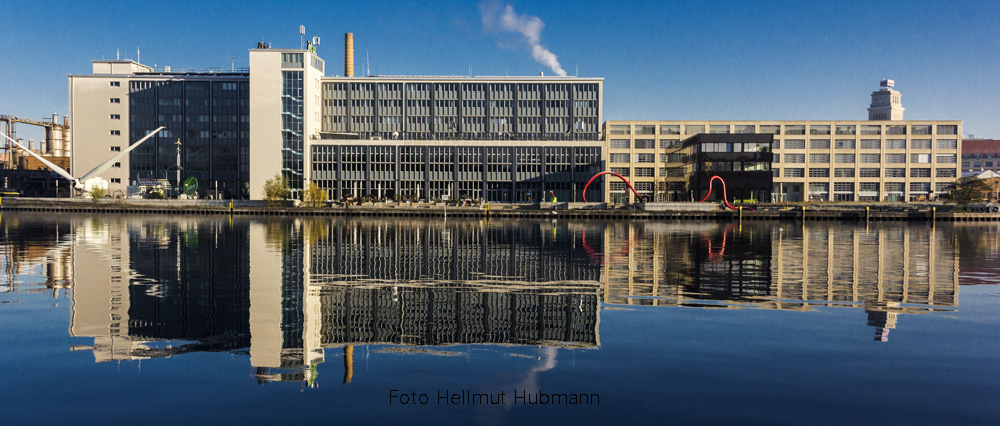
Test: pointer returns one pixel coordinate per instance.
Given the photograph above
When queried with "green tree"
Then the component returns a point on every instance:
(155, 194)
(968, 190)
(96, 194)
(313, 196)
(276, 190)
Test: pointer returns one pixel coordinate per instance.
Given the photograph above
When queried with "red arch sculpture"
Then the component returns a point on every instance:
(723, 192)
(637, 196)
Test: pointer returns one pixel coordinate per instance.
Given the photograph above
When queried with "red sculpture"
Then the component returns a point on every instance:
(637, 196)
(723, 191)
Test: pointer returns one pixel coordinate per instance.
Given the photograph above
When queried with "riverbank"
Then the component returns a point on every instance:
(658, 211)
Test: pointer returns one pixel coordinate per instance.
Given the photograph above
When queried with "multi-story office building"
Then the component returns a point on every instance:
(744, 161)
(813, 160)
(882, 159)
(513, 139)
(508, 139)
(206, 110)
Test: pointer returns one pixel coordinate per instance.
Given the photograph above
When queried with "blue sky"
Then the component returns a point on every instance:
(664, 60)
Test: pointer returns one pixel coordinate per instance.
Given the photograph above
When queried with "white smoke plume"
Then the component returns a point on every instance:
(498, 17)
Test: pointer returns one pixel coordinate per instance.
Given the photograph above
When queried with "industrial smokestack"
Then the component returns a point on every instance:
(349, 55)
(53, 137)
(67, 138)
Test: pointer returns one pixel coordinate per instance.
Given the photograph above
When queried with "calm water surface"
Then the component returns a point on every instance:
(184, 320)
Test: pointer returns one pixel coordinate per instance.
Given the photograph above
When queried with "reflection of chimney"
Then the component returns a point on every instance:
(349, 55)
(348, 362)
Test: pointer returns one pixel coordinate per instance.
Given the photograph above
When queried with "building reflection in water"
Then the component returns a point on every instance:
(159, 287)
(887, 270)
(139, 283)
(346, 283)
(286, 290)
(27, 246)
(982, 239)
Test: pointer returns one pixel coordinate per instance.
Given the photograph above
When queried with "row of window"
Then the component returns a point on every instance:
(866, 158)
(787, 129)
(873, 187)
(814, 144)
(978, 164)
(867, 144)
(865, 172)
(470, 90)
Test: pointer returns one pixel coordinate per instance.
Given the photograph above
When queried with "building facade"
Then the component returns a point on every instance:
(500, 139)
(742, 162)
(206, 110)
(843, 160)
(506, 139)
(509, 139)
(980, 155)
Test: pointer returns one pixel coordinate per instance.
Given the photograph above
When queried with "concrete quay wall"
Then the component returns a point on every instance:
(536, 210)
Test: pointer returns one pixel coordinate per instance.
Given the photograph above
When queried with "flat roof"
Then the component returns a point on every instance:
(817, 121)
(465, 77)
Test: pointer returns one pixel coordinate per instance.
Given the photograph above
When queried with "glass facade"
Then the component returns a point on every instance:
(292, 138)
(460, 110)
(210, 117)
(493, 174)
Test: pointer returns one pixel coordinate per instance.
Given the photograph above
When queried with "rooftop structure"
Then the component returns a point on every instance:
(886, 103)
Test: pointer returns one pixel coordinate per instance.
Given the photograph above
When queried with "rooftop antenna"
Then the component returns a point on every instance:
(137, 55)
(232, 59)
(302, 33)
(367, 65)
(578, 70)
(118, 55)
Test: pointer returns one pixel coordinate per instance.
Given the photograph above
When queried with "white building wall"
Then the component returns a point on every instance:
(91, 112)
(265, 118)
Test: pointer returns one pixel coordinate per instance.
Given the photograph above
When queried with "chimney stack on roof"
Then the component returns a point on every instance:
(349, 55)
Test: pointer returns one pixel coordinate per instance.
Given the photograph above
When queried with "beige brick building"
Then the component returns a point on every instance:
(840, 160)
